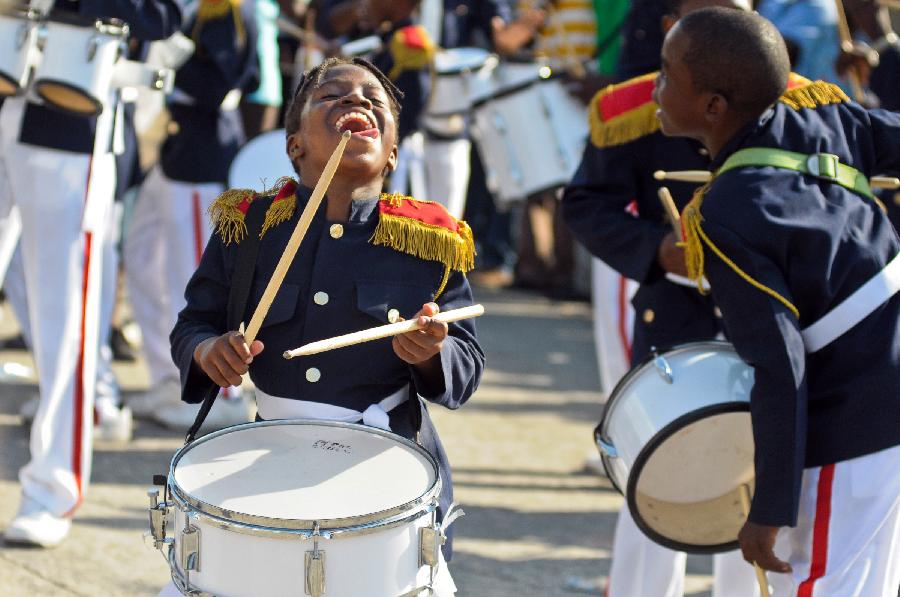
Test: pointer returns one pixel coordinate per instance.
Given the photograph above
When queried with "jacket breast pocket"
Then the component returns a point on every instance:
(283, 306)
(379, 299)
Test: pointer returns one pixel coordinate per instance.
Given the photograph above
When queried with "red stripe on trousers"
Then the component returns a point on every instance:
(820, 532)
(198, 229)
(78, 381)
(623, 318)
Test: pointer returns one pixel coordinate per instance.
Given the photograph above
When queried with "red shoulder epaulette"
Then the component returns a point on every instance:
(411, 48)
(623, 112)
(425, 230)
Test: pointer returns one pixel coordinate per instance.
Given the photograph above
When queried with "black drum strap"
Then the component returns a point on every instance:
(241, 280)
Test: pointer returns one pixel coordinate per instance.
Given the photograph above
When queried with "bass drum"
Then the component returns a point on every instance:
(261, 162)
(676, 439)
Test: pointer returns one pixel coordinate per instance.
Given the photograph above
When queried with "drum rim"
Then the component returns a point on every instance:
(506, 91)
(36, 85)
(16, 83)
(325, 524)
(644, 455)
(614, 396)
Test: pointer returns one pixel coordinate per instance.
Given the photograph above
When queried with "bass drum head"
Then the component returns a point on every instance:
(66, 96)
(290, 474)
(689, 443)
(261, 162)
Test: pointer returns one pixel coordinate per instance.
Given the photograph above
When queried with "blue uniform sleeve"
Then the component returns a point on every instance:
(462, 359)
(886, 140)
(767, 336)
(594, 207)
(147, 19)
(219, 64)
(203, 317)
(885, 80)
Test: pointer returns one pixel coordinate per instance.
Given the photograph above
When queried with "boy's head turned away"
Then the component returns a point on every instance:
(344, 94)
(720, 68)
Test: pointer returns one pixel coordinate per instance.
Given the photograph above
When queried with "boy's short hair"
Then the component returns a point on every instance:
(737, 54)
(313, 78)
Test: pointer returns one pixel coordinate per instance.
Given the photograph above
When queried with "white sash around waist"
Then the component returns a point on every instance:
(853, 309)
(273, 407)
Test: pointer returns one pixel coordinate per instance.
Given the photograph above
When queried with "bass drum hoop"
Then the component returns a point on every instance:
(260, 524)
(97, 106)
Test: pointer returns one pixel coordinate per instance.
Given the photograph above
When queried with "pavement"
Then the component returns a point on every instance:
(538, 522)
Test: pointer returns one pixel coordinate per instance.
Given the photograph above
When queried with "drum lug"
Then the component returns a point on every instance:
(431, 539)
(662, 367)
(314, 564)
(158, 514)
(190, 545)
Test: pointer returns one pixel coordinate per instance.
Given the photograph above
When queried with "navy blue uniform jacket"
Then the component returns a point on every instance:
(815, 243)
(363, 282)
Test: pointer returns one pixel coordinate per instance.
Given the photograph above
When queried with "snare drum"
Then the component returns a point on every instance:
(301, 507)
(452, 85)
(261, 162)
(529, 131)
(78, 63)
(19, 52)
(676, 438)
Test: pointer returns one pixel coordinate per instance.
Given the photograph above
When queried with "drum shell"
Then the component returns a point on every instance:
(530, 135)
(454, 80)
(709, 380)
(245, 554)
(19, 52)
(80, 59)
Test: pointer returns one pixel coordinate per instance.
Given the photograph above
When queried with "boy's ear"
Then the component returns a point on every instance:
(295, 149)
(716, 108)
(392, 160)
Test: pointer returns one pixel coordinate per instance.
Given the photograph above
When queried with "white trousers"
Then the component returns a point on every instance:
(447, 173)
(613, 322)
(63, 200)
(847, 539)
(166, 236)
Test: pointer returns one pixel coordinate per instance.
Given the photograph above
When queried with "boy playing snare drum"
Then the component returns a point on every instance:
(367, 259)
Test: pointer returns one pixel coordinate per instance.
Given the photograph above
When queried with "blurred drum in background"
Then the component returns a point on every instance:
(676, 439)
(78, 63)
(261, 162)
(529, 131)
(456, 71)
(19, 51)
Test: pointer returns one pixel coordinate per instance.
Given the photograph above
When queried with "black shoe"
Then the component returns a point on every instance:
(121, 349)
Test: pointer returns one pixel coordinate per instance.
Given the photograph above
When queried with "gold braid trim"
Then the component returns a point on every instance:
(443, 285)
(282, 210)
(227, 217)
(634, 124)
(217, 9)
(695, 238)
(456, 250)
(813, 95)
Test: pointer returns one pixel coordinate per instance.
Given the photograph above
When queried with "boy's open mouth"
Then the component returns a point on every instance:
(358, 123)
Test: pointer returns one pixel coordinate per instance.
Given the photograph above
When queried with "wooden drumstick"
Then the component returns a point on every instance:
(665, 197)
(296, 238)
(847, 45)
(891, 4)
(392, 329)
(702, 176)
(760, 573)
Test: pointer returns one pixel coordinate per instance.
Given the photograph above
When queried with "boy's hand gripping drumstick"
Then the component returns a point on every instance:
(392, 329)
(296, 238)
(701, 176)
(760, 573)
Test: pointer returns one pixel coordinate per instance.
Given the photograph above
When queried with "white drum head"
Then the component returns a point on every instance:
(458, 60)
(261, 162)
(303, 471)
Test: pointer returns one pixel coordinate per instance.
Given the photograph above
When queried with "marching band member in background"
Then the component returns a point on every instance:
(62, 176)
(809, 28)
(612, 208)
(803, 263)
(261, 107)
(367, 258)
(169, 227)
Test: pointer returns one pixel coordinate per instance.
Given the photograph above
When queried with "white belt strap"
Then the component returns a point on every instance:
(683, 281)
(853, 309)
(273, 407)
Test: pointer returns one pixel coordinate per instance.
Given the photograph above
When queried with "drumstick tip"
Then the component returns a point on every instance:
(346, 134)
(287, 355)
(659, 175)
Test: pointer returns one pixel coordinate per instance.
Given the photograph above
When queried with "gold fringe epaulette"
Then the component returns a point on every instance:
(425, 230)
(813, 95)
(216, 9)
(623, 112)
(228, 212)
(412, 49)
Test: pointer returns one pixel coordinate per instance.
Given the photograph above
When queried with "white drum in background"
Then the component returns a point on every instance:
(529, 131)
(77, 65)
(676, 439)
(261, 162)
(301, 508)
(457, 72)
(19, 52)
